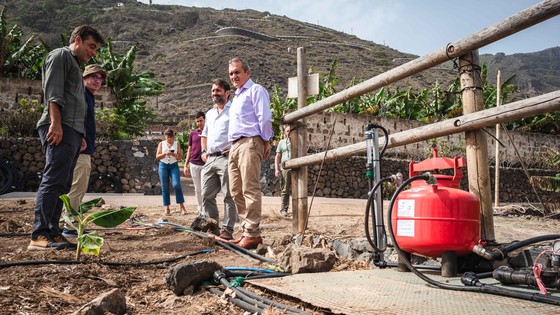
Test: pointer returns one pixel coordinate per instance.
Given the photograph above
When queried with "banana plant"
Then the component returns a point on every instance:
(91, 243)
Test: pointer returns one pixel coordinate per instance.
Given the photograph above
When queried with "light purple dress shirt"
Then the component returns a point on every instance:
(249, 114)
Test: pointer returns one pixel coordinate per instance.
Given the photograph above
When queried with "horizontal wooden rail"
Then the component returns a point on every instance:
(489, 117)
(515, 23)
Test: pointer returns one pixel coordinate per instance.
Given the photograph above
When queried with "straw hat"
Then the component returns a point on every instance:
(91, 69)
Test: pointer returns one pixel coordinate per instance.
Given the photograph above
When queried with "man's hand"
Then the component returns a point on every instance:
(54, 136)
(84, 145)
(186, 170)
(277, 173)
(204, 157)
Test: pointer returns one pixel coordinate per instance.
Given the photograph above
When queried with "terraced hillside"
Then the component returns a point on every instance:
(187, 47)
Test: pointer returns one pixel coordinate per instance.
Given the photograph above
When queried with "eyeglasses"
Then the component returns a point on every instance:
(97, 78)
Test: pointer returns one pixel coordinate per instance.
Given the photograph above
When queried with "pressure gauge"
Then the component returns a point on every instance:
(556, 246)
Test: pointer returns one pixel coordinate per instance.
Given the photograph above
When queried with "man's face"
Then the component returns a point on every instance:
(287, 131)
(94, 81)
(85, 49)
(237, 75)
(199, 122)
(219, 95)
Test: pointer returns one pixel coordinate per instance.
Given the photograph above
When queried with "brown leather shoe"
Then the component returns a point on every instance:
(249, 242)
(226, 235)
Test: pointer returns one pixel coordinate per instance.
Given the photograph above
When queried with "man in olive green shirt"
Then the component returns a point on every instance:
(61, 130)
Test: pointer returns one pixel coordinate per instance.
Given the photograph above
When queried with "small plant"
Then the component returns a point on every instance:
(91, 243)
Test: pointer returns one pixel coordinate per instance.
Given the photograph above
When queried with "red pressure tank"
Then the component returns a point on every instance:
(430, 220)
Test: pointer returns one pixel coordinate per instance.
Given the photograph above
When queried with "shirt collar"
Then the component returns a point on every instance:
(247, 85)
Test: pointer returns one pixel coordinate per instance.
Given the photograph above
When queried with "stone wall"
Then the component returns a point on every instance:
(349, 129)
(133, 165)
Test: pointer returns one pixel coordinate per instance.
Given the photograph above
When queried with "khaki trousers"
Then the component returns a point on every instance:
(80, 180)
(244, 170)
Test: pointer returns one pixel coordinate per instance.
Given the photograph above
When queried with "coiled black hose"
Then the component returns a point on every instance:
(9, 176)
(368, 208)
(102, 183)
(469, 279)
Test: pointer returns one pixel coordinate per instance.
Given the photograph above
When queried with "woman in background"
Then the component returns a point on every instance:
(168, 154)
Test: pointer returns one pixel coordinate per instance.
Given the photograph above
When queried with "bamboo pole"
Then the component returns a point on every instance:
(497, 153)
(299, 149)
(513, 111)
(476, 142)
(511, 25)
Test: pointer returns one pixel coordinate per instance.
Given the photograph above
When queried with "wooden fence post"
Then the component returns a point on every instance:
(477, 147)
(298, 141)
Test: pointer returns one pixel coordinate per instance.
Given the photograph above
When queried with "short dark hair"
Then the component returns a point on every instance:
(222, 83)
(85, 31)
(169, 132)
(200, 114)
(244, 64)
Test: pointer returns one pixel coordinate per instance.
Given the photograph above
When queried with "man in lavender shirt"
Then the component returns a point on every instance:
(250, 130)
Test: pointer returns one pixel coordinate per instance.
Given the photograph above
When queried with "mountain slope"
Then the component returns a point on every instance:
(187, 47)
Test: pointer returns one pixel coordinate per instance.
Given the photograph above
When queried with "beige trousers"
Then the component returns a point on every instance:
(244, 171)
(80, 180)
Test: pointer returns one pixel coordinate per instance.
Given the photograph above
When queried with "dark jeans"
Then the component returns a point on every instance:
(57, 179)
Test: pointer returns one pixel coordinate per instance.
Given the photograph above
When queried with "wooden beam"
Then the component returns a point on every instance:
(515, 23)
(514, 111)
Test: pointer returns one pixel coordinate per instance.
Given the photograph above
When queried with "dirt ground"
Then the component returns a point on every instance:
(60, 288)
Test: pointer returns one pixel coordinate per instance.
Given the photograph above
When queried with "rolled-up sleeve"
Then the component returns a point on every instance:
(53, 84)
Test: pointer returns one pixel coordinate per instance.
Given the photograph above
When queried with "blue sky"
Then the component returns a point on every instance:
(412, 26)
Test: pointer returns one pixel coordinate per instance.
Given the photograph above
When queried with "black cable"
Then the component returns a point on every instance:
(76, 262)
(469, 279)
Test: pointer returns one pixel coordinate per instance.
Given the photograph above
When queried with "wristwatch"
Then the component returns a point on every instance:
(202, 152)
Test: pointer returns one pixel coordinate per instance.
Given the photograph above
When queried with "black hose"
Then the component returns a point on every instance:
(280, 306)
(77, 262)
(385, 264)
(231, 246)
(509, 248)
(471, 282)
(242, 304)
(253, 299)
(8, 176)
(366, 221)
(108, 179)
(251, 275)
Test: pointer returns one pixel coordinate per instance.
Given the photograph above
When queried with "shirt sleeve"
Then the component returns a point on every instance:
(54, 73)
(261, 102)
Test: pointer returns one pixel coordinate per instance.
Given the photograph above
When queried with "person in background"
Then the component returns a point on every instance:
(215, 148)
(284, 153)
(250, 130)
(194, 162)
(61, 130)
(168, 154)
(94, 76)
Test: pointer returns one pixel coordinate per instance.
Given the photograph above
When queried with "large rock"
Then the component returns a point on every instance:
(183, 278)
(112, 302)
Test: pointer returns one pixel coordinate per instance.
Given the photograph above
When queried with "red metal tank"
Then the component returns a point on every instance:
(431, 219)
